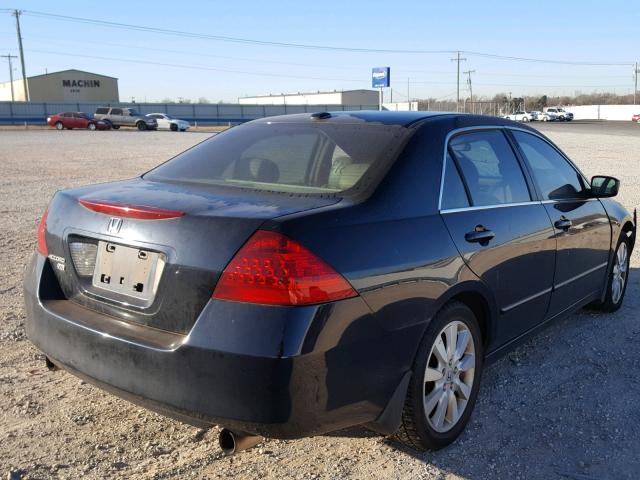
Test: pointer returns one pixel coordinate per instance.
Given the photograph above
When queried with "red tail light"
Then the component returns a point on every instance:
(273, 269)
(130, 211)
(42, 228)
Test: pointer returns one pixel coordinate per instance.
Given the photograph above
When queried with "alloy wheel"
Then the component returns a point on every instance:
(620, 268)
(449, 376)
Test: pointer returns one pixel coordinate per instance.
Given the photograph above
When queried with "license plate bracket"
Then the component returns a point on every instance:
(131, 271)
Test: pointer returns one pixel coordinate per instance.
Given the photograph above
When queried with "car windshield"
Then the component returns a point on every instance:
(287, 157)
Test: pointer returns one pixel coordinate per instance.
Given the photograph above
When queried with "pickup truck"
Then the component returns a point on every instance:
(125, 117)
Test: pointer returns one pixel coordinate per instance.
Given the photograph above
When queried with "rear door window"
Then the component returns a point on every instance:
(490, 168)
(289, 157)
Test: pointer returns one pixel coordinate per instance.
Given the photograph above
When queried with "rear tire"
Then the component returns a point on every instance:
(445, 380)
(141, 126)
(115, 127)
(618, 277)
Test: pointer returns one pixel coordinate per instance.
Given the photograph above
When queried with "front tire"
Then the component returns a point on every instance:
(141, 126)
(59, 126)
(92, 126)
(445, 380)
(173, 127)
(618, 277)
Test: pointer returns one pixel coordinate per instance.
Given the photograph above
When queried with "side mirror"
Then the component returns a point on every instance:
(603, 187)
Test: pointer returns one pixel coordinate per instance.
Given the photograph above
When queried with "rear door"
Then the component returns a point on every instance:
(79, 121)
(503, 234)
(581, 224)
(116, 117)
(67, 120)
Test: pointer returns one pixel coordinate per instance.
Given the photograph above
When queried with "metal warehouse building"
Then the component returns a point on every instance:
(345, 97)
(64, 86)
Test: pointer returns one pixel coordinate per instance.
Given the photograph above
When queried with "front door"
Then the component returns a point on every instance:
(580, 222)
(505, 238)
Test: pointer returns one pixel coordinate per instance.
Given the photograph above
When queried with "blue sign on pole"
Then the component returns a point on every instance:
(381, 77)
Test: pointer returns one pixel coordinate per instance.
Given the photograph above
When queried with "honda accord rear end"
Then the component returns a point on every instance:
(203, 290)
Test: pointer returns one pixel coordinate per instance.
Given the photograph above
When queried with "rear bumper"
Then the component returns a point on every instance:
(273, 371)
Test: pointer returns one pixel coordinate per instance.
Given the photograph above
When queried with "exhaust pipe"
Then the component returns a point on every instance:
(232, 442)
(52, 367)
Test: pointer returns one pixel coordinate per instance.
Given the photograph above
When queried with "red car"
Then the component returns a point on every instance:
(636, 118)
(71, 120)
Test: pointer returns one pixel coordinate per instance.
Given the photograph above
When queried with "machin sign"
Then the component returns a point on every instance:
(381, 77)
(81, 83)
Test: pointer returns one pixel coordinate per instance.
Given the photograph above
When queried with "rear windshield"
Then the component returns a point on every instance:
(294, 158)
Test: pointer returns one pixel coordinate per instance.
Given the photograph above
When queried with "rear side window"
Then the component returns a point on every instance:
(116, 111)
(490, 169)
(102, 111)
(289, 157)
(453, 192)
(554, 176)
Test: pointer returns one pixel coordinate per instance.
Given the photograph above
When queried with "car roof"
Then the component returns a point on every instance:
(405, 119)
(355, 116)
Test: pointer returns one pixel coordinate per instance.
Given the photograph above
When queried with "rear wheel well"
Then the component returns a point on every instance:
(480, 308)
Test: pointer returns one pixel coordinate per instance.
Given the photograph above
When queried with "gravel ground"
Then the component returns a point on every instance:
(563, 405)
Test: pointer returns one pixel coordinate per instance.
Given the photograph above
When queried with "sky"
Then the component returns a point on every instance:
(152, 66)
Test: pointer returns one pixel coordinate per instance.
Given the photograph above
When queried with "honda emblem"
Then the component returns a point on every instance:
(114, 225)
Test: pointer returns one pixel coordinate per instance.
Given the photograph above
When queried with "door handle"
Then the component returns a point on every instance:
(479, 235)
(563, 224)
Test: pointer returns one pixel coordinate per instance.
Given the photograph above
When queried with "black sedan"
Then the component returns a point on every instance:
(301, 274)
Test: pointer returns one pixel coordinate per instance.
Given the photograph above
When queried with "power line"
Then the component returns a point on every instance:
(251, 41)
(263, 74)
(192, 67)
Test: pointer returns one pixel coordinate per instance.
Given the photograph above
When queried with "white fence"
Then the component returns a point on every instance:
(604, 112)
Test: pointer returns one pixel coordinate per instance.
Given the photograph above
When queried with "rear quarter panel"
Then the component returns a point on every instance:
(393, 248)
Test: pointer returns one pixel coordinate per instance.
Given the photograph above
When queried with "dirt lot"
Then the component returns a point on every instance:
(565, 405)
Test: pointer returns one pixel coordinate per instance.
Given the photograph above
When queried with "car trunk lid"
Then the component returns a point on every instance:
(151, 252)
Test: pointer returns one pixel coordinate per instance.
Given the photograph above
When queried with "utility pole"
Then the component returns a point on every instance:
(25, 85)
(635, 82)
(458, 59)
(9, 57)
(408, 97)
(468, 73)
